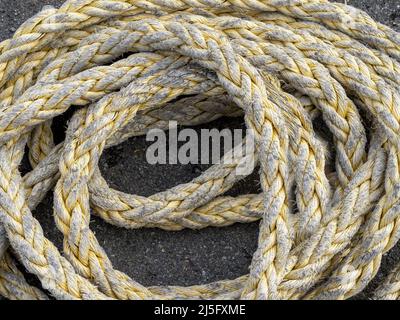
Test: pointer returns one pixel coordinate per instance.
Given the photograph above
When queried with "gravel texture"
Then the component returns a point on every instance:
(155, 257)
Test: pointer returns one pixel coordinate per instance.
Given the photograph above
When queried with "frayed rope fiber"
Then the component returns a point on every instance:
(128, 66)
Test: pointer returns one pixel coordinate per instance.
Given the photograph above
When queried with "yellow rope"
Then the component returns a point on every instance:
(280, 64)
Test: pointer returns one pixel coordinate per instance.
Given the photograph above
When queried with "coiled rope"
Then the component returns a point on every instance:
(128, 62)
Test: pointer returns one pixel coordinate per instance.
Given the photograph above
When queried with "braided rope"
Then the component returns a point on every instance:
(230, 57)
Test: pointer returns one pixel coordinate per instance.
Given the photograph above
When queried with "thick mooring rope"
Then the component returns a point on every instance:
(280, 64)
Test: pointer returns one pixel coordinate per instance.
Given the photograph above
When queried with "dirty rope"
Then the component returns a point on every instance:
(127, 66)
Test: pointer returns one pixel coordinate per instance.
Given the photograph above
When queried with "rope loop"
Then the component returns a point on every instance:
(126, 67)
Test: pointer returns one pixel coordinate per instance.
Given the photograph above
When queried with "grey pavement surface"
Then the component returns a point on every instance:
(155, 257)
